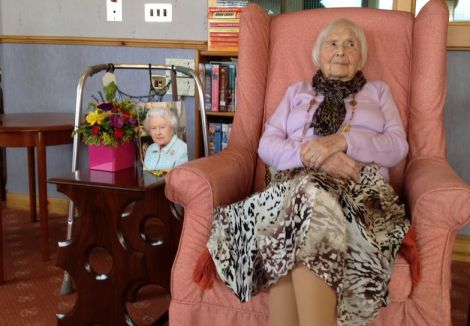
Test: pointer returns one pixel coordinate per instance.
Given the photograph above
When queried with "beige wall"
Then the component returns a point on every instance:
(88, 18)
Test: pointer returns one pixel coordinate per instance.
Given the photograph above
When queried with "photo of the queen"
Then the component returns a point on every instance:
(167, 150)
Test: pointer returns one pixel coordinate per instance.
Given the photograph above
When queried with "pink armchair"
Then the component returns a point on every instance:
(410, 55)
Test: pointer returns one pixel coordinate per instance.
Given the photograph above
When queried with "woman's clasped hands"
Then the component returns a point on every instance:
(327, 154)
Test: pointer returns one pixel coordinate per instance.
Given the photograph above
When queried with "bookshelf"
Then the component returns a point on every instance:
(219, 120)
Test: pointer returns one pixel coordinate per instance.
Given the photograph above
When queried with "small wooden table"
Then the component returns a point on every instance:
(40, 129)
(115, 213)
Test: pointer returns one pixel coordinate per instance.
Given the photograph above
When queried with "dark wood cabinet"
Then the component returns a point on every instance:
(126, 215)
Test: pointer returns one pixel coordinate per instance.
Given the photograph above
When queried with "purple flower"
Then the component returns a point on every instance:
(105, 106)
(117, 121)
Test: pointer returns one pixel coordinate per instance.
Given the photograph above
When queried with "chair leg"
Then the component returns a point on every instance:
(67, 285)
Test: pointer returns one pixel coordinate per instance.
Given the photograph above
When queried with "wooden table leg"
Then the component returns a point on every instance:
(42, 186)
(101, 299)
(32, 184)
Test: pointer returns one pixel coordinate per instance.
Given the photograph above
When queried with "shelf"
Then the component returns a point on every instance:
(230, 114)
(211, 53)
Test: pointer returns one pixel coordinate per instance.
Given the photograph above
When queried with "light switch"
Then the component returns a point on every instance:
(114, 10)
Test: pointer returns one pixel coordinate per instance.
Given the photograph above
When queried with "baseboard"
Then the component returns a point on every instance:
(57, 206)
(60, 206)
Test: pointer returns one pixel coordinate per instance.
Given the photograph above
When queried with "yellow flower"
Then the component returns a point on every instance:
(107, 139)
(95, 117)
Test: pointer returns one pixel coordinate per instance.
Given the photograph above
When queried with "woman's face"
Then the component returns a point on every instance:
(340, 54)
(160, 130)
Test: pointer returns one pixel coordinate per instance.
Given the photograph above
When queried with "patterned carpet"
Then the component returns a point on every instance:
(31, 294)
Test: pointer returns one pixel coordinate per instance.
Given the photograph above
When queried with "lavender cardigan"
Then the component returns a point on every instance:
(376, 132)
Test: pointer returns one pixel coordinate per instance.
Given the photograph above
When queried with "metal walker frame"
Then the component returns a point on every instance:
(67, 286)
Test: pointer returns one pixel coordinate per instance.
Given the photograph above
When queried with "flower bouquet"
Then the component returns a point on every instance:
(109, 122)
(110, 128)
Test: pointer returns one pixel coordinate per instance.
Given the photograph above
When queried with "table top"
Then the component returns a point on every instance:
(37, 121)
(132, 179)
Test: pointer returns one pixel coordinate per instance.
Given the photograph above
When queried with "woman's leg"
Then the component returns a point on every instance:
(316, 301)
(282, 304)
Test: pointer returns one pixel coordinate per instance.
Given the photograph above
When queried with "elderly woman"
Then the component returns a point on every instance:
(168, 150)
(324, 234)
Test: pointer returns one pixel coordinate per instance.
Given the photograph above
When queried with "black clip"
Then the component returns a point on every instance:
(110, 68)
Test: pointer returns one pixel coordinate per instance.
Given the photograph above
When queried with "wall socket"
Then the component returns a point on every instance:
(158, 82)
(185, 84)
(158, 12)
(114, 10)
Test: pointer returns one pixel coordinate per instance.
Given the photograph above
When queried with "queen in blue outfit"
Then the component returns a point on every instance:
(167, 150)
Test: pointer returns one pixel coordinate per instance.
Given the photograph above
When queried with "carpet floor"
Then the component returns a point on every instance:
(31, 294)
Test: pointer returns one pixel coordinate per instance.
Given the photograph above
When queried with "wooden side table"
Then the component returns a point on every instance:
(35, 130)
(115, 211)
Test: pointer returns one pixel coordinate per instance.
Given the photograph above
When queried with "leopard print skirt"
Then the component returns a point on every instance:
(347, 233)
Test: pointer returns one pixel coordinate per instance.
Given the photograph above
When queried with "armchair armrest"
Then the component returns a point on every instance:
(219, 179)
(439, 202)
(431, 185)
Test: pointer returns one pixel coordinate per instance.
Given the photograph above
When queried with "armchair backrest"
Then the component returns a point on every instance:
(406, 52)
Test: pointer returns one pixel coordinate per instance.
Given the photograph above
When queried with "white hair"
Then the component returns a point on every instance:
(356, 29)
(166, 114)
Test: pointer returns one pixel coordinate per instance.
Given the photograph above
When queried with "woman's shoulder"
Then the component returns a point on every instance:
(376, 89)
(301, 86)
(300, 91)
(378, 85)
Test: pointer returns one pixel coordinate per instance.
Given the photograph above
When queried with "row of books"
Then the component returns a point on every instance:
(223, 26)
(217, 136)
(218, 79)
(230, 3)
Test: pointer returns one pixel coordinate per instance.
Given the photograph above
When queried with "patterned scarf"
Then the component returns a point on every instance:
(331, 112)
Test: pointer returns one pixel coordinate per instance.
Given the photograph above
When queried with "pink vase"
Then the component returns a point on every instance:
(105, 158)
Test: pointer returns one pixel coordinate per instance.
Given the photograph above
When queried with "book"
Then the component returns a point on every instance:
(218, 40)
(223, 84)
(208, 87)
(215, 87)
(218, 137)
(231, 87)
(224, 39)
(234, 30)
(229, 22)
(229, 47)
(211, 137)
(229, 3)
(224, 13)
(225, 134)
(224, 34)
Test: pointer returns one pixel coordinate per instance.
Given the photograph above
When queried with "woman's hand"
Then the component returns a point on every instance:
(314, 153)
(342, 166)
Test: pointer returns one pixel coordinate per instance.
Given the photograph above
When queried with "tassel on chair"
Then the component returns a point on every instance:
(410, 252)
(204, 273)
